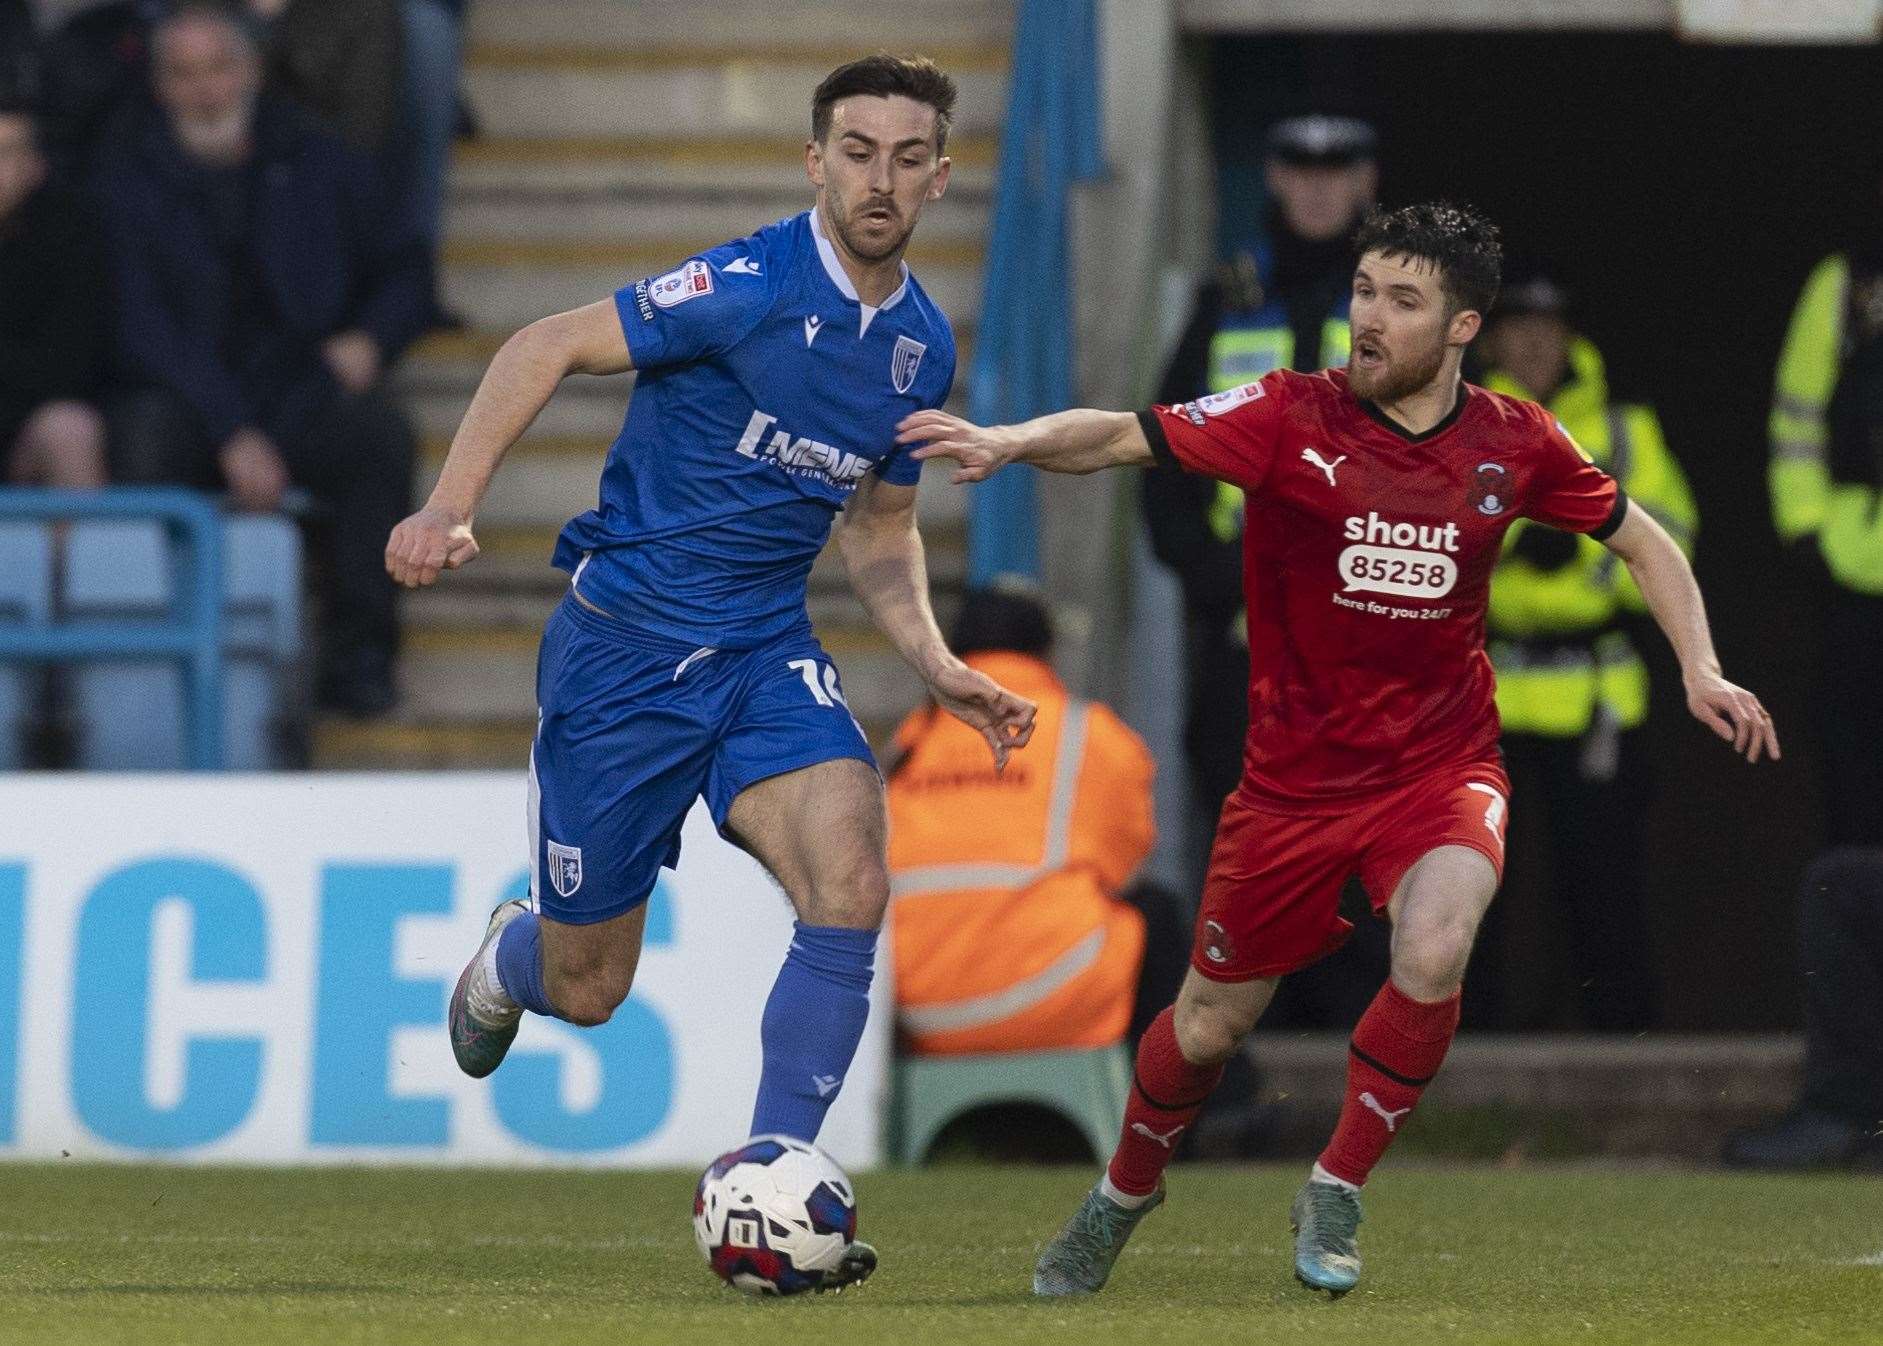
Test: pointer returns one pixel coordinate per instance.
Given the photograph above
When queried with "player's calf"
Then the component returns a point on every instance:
(586, 971)
(587, 1000)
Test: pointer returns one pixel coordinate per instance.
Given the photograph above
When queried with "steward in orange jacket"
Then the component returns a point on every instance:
(1009, 934)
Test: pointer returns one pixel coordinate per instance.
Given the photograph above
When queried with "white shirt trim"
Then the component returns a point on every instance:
(827, 253)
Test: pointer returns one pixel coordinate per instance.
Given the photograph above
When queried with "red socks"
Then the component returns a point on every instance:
(1166, 1095)
(1397, 1048)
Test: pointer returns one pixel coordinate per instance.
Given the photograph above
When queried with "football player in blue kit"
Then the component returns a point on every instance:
(681, 662)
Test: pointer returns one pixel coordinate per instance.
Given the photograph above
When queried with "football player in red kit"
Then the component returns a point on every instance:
(1378, 497)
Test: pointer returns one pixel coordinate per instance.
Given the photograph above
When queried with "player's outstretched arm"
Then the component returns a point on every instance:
(882, 552)
(1077, 441)
(1666, 582)
(514, 390)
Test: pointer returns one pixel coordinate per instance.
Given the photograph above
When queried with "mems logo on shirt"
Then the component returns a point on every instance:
(798, 455)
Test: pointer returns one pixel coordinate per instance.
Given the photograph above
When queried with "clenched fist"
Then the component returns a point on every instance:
(429, 541)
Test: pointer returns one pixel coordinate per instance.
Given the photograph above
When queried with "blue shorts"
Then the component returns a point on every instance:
(633, 728)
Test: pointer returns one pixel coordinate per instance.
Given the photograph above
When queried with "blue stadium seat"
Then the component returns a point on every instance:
(130, 714)
(25, 596)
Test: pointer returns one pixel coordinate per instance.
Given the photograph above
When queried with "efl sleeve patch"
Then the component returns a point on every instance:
(678, 286)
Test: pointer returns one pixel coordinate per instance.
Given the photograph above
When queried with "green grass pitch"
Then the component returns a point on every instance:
(149, 1256)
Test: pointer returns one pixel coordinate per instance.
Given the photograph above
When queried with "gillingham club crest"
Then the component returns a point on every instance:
(565, 868)
(906, 359)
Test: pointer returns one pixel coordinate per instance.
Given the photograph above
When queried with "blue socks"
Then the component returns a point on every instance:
(520, 965)
(813, 1022)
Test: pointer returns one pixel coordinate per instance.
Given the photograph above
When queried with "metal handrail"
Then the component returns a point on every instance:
(193, 635)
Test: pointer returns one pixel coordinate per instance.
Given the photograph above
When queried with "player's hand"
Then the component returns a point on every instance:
(431, 541)
(255, 470)
(1734, 714)
(1005, 720)
(978, 450)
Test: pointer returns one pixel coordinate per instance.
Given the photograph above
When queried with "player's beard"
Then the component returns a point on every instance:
(863, 247)
(1396, 378)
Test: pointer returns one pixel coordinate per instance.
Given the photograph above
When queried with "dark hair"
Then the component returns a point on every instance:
(1460, 244)
(1005, 617)
(882, 76)
(230, 15)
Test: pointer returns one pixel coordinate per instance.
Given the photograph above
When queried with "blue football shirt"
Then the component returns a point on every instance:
(766, 391)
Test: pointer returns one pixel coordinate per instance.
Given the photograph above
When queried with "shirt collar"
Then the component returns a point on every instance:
(827, 253)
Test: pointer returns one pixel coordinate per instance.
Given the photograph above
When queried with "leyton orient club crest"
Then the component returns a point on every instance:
(903, 363)
(1217, 946)
(565, 868)
(1490, 488)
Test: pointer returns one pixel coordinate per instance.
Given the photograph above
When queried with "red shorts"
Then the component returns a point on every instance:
(1271, 899)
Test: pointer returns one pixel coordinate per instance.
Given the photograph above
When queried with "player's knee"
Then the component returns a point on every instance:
(853, 895)
(1207, 1034)
(1431, 964)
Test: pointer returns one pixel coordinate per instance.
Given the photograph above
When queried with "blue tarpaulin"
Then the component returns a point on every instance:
(1023, 356)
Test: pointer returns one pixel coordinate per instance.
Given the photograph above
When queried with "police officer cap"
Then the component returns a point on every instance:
(1322, 142)
(1533, 295)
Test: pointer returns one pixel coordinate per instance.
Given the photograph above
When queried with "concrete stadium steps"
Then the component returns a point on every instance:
(753, 27)
(547, 90)
(439, 376)
(772, 162)
(545, 481)
(603, 195)
(399, 745)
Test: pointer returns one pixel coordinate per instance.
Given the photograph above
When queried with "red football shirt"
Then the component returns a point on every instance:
(1367, 559)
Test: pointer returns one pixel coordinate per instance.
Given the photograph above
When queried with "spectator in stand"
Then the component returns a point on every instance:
(1838, 1117)
(434, 52)
(263, 293)
(1826, 479)
(342, 59)
(1572, 686)
(93, 60)
(53, 310)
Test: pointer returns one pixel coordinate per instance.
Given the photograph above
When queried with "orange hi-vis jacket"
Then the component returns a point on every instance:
(1008, 932)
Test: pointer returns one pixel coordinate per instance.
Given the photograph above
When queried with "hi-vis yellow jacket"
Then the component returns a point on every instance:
(1808, 498)
(1009, 934)
(1554, 640)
